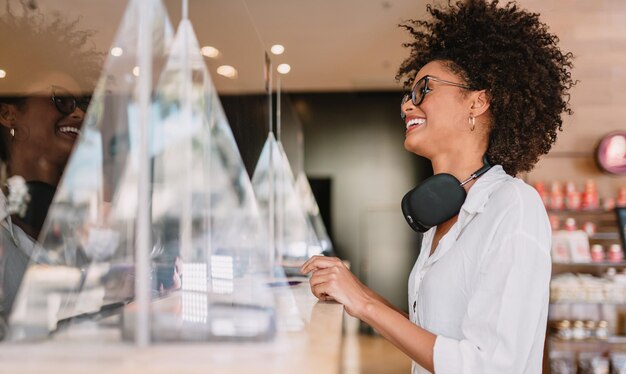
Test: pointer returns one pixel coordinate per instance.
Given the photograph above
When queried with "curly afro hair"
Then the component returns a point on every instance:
(510, 53)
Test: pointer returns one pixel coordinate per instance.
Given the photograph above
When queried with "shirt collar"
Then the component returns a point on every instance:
(478, 194)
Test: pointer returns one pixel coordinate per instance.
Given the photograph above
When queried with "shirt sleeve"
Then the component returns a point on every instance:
(506, 312)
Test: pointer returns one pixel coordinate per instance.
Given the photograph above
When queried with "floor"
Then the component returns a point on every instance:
(371, 354)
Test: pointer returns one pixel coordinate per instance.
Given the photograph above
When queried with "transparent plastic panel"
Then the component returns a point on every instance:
(274, 184)
(48, 70)
(205, 212)
(311, 208)
(292, 139)
(84, 266)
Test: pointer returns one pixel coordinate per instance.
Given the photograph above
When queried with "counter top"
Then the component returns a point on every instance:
(315, 347)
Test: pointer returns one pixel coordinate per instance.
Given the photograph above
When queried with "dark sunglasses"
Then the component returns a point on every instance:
(421, 88)
(66, 103)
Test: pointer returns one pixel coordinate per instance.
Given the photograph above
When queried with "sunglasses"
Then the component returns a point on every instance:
(421, 88)
(66, 103)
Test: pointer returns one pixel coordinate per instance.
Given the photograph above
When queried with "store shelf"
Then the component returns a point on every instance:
(585, 302)
(591, 264)
(613, 343)
(605, 236)
(594, 212)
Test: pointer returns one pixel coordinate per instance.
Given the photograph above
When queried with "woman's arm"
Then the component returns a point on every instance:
(331, 280)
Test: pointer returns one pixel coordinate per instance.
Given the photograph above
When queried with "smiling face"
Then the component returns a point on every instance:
(45, 130)
(439, 124)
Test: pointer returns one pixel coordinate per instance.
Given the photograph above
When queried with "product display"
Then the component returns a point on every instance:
(593, 363)
(587, 288)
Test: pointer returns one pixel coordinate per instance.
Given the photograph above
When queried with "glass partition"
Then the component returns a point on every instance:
(292, 139)
(212, 273)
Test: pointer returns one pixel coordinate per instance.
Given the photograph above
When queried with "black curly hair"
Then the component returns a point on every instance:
(511, 54)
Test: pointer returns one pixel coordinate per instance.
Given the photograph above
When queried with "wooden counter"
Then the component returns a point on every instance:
(314, 348)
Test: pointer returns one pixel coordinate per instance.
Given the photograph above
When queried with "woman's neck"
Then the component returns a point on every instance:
(36, 170)
(461, 165)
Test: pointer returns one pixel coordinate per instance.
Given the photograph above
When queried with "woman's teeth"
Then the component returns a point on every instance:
(414, 122)
(68, 129)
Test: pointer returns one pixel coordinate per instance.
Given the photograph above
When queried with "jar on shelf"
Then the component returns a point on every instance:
(597, 253)
(570, 224)
(590, 196)
(564, 330)
(602, 330)
(556, 197)
(615, 253)
(572, 197)
(578, 330)
(590, 228)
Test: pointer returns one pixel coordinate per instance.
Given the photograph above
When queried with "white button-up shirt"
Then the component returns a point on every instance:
(484, 291)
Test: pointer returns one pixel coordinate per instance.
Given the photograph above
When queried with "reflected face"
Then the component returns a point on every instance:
(49, 121)
(439, 123)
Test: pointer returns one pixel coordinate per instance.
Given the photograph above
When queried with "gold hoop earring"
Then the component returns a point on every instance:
(472, 122)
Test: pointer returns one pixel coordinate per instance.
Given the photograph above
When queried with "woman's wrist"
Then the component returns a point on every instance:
(367, 308)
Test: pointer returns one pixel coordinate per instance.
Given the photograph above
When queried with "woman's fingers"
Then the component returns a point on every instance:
(318, 277)
(319, 262)
(319, 290)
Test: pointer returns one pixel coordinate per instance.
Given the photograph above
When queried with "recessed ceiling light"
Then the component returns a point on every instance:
(210, 52)
(227, 71)
(117, 51)
(2, 73)
(277, 49)
(283, 68)
(136, 71)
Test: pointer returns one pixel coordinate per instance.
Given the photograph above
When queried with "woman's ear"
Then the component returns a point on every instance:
(7, 115)
(480, 103)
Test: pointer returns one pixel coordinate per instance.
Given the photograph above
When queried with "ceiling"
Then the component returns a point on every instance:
(331, 45)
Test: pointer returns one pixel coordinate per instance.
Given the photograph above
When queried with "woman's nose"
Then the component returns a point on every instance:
(78, 114)
(406, 108)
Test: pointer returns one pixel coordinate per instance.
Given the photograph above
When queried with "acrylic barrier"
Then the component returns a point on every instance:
(127, 157)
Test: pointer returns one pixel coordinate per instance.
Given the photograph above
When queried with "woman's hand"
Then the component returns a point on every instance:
(331, 280)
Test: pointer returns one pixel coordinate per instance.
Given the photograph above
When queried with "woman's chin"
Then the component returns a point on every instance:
(414, 147)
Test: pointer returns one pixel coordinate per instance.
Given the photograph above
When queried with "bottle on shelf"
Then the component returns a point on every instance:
(578, 330)
(590, 196)
(602, 330)
(597, 253)
(615, 253)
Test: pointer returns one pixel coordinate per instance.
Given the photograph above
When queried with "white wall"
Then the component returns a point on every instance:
(595, 32)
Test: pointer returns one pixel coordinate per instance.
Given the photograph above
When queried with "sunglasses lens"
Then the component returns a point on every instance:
(65, 104)
(64, 101)
(83, 103)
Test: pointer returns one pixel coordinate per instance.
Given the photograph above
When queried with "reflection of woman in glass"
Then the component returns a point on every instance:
(486, 80)
(41, 114)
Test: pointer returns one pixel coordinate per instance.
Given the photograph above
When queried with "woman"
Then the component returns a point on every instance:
(41, 114)
(37, 134)
(487, 80)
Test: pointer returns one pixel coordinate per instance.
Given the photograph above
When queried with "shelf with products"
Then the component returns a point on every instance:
(612, 343)
(588, 286)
